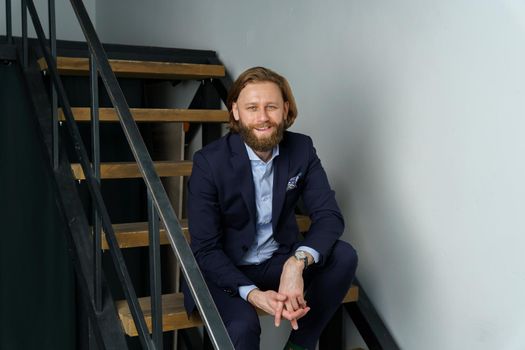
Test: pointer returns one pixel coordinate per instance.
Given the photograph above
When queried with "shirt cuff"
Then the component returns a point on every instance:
(245, 290)
(314, 253)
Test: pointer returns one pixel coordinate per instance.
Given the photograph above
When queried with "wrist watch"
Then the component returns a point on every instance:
(301, 255)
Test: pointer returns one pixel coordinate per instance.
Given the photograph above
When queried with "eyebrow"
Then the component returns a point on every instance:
(256, 103)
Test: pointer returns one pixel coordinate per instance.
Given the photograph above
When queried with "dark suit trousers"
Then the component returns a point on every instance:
(325, 287)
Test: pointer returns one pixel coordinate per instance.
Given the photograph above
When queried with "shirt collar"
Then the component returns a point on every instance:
(253, 156)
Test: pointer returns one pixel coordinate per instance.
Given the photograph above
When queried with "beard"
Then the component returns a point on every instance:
(261, 144)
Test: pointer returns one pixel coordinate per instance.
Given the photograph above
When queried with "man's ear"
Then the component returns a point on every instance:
(286, 108)
(235, 110)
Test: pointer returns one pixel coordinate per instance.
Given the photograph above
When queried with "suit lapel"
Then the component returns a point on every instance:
(280, 179)
(242, 167)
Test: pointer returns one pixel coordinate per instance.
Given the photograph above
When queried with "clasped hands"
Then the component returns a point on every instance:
(289, 301)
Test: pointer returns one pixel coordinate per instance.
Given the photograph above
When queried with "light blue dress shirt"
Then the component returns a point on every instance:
(264, 245)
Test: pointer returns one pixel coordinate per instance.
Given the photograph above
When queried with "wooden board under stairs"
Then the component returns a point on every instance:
(152, 115)
(131, 235)
(174, 316)
(128, 170)
(140, 69)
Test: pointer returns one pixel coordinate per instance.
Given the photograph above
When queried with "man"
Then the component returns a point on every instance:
(242, 196)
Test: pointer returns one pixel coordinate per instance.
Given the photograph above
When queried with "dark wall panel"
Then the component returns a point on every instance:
(37, 299)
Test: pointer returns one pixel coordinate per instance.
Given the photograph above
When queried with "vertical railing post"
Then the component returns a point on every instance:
(54, 99)
(25, 58)
(8, 23)
(95, 160)
(95, 163)
(154, 273)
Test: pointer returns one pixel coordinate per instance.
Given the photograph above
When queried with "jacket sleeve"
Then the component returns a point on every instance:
(204, 218)
(327, 223)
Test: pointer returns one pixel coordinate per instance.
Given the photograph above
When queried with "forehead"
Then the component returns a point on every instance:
(260, 91)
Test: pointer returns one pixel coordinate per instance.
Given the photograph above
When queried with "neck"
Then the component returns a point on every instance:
(265, 156)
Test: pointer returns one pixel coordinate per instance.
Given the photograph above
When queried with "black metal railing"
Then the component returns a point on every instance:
(8, 24)
(93, 182)
(159, 206)
(95, 158)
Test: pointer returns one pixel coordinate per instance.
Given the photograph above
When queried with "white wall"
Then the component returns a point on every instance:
(417, 110)
(66, 21)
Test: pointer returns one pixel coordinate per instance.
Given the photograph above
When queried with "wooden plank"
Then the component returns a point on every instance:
(135, 234)
(140, 69)
(152, 115)
(128, 170)
(174, 315)
(352, 295)
(303, 222)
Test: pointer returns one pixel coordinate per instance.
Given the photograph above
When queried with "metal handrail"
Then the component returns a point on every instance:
(159, 198)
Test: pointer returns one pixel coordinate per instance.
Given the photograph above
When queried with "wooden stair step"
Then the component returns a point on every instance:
(153, 115)
(140, 69)
(128, 170)
(174, 315)
(131, 235)
(135, 234)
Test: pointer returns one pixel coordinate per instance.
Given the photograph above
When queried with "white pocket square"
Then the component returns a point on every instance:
(292, 183)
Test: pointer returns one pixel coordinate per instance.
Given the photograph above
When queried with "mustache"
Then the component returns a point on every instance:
(263, 125)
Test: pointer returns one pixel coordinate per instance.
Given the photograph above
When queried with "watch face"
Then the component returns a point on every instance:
(300, 255)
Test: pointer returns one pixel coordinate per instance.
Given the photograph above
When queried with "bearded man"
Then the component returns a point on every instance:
(242, 197)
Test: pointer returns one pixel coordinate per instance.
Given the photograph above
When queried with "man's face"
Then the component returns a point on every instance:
(261, 112)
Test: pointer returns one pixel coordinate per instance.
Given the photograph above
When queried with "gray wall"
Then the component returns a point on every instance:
(416, 108)
(66, 22)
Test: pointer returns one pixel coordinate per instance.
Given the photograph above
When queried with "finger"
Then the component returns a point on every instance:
(302, 302)
(304, 312)
(294, 303)
(288, 315)
(288, 306)
(278, 313)
(295, 326)
(298, 313)
(291, 315)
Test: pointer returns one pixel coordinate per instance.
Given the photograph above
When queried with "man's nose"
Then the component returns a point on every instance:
(262, 116)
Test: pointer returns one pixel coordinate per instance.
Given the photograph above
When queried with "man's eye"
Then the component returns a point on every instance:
(271, 107)
(252, 108)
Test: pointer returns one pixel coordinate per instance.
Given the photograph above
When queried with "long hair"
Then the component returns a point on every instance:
(260, 75)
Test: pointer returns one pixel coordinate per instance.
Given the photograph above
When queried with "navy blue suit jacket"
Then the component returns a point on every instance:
(222, 211)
